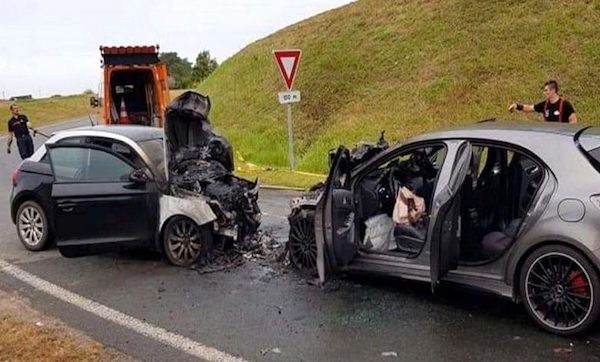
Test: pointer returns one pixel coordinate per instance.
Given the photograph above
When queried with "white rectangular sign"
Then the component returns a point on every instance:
(289, 97)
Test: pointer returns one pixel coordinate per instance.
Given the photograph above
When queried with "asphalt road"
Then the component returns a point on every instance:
(268, 312)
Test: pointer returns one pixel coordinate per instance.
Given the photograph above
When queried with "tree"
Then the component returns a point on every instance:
(204, 66)
(180, 69)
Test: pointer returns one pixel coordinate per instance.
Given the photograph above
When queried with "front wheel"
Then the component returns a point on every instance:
(184, 241)
(561, 290)
(302, 244)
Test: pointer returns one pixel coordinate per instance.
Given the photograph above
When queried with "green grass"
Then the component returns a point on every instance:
(46, 111)
(275, 176)
(406, 67)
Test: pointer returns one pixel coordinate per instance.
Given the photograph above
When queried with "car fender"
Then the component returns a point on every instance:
(526, 247)
(196, 209)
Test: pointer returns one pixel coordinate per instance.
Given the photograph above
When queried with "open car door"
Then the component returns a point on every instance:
(101, 201)
(334, 218)
(445, 235)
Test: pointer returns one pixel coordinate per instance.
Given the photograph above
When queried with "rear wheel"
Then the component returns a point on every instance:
(302, 243)
(561, 290)
(184, 241)
(32, 226)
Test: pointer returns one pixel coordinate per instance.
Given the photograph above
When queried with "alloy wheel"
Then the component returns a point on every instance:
(559, 291)
(31, 226)
(184, 241)
(302, 243)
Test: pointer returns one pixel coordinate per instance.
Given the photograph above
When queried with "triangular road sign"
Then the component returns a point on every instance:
(288, 60)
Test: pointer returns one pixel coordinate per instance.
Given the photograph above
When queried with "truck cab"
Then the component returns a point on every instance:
(135, 87)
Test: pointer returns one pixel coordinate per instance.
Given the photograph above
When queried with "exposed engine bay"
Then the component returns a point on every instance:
(201, 165)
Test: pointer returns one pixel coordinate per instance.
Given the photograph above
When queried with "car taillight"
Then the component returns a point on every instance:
(15, 177)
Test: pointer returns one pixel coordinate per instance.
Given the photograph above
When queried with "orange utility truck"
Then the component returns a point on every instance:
(135, 87)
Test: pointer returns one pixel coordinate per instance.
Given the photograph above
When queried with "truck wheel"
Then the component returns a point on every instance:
(32, 226)
(184, 241)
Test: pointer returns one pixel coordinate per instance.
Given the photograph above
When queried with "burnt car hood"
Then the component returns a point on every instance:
(188, 129)
(200, 163)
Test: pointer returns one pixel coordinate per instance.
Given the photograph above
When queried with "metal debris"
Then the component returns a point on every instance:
(261, 247)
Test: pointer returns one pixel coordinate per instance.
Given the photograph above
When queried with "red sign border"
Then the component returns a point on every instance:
(286, 53)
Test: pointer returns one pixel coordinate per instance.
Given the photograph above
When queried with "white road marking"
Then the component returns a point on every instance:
(159, 334)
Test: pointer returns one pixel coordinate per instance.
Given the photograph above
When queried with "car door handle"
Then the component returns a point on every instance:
(67, 206)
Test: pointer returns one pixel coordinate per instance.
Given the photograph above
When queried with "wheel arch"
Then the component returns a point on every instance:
(514, 268)
(158, 244)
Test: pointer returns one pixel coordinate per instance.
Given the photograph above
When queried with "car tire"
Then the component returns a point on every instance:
(32, 226)
(184, 242)
(560, 289)
(302, 244)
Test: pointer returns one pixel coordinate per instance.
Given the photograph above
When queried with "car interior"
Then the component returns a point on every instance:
(495, 196)
(414, 172)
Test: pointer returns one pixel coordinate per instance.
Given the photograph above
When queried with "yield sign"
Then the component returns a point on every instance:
(288, 61)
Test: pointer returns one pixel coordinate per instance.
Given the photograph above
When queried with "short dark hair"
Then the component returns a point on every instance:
(552, 83)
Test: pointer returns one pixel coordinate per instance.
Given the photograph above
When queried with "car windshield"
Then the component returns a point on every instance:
(154, 148)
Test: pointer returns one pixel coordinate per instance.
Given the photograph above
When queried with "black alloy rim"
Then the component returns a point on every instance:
(559, 291)
(303, 245)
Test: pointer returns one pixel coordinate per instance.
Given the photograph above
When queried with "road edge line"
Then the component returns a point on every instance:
(146, 329)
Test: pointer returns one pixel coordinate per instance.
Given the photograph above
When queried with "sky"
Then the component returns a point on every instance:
(51, 47)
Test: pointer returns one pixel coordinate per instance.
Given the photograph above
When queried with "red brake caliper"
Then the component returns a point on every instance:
(578, 283)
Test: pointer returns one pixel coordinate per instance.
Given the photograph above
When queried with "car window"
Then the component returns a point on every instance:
(71, 140)
(154, 149)
(119, 147)
(88, 165)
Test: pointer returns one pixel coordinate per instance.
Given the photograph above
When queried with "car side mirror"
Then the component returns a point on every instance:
(94, 102)
(139, 176)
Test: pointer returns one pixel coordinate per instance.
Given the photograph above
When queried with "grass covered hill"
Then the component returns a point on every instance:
(406, 67)
(46, 111)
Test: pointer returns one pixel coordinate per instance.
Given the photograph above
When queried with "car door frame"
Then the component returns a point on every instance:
(324, 228)
(327, 260)
(89, 245)
(443, 234)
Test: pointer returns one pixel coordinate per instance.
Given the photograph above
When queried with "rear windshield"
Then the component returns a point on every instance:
(588, 141)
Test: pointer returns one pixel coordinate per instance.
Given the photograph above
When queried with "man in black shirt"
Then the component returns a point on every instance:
(18, 127)
(554, 108)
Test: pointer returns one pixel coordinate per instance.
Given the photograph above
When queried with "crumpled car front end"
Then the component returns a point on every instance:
(200, 165)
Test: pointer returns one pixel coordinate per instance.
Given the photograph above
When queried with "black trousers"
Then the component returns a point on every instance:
(25, 145)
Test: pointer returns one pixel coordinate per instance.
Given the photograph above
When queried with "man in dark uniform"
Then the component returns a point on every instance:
(18, 127)
(554, 108)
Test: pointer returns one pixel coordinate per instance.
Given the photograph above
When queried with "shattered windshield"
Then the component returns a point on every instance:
(154, 148)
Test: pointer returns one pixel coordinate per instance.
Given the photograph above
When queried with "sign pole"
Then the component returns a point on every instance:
(287, 60)
(290, 137)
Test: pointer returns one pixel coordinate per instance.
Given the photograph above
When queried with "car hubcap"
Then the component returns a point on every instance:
(31, 226)
(559, 291)
(184, 242)
(303, 246)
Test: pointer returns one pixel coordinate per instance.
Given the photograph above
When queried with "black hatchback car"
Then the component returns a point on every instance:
(106, 188)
